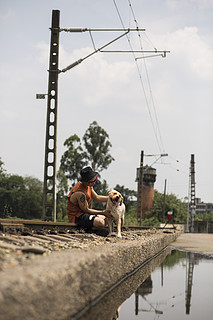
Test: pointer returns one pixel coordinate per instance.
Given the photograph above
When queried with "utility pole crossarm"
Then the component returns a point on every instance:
(89, 55)
(102, 30)
(125, 31)
(139, 51)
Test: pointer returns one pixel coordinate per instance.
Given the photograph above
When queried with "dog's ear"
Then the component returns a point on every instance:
(109, 191)
(122, 199)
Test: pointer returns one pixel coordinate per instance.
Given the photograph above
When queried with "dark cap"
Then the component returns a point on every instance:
(87, 174)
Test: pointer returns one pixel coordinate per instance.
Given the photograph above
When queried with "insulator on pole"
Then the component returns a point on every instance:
(72, 65)
(74, 30)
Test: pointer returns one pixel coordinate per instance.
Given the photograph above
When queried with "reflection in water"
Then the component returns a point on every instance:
(182, 287)
(174, 285)
(145, 289)
(190, 260)
(109, 307)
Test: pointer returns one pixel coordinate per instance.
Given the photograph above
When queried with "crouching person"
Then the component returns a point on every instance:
(79, 199)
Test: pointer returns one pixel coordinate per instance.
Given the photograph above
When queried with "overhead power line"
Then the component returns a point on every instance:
(156, 128)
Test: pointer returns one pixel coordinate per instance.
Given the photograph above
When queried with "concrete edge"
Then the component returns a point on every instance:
(110, 302)
(60, 285)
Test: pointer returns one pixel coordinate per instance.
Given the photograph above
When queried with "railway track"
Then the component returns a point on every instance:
(36, 226)
(21, 240)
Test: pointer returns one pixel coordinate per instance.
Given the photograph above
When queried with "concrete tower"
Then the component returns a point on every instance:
(147, 190)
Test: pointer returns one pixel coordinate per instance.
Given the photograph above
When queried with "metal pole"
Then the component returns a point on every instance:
(192, 204)
(141, 178)
(49, 191)
(140, 187)
(188, 206)
(164, 201)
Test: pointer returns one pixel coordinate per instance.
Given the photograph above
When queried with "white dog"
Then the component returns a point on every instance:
(117, 207)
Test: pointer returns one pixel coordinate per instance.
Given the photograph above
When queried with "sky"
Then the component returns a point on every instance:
(155, 104)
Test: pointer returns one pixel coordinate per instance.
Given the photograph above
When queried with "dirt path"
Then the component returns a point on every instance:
(200, 242)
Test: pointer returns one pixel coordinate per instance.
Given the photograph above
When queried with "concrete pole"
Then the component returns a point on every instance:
(49, 191)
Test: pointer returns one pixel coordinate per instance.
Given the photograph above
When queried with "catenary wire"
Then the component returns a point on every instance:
(147, 76)
(156, 132)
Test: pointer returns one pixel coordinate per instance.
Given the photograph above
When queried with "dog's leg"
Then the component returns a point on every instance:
(122, 221)
(119, 228)
(110, 226)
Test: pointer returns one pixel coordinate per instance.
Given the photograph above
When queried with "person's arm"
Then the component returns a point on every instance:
(98, 198)
(83, 204)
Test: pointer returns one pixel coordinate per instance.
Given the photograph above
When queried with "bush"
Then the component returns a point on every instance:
(151, 222)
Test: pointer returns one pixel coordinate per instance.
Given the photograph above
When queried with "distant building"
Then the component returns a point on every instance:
(202, 207)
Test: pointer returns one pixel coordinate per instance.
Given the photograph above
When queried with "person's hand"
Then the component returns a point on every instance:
(107, 213)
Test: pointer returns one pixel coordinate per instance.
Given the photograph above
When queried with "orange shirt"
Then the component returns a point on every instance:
(74, 210)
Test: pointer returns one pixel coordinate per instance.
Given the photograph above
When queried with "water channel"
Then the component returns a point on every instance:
(173, 285)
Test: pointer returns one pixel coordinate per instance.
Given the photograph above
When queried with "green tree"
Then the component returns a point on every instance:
(95, 153)
(100, 187)
(73, 159)
(155, 216)
(206, 216)
(2, 170)
(61, 201)
(62, 182)
(20, 197)
(130, 218)
(31, 198)
(97, 147)
(11, 188)
(172, 203)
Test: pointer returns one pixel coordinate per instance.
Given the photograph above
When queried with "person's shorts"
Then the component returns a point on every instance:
(85, 220)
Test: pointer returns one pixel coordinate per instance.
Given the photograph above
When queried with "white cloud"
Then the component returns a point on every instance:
(189, 45)
(189, 51)
(101, 79)
(43, 52)
(203, 3)
(183, 4)
(8, 15)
